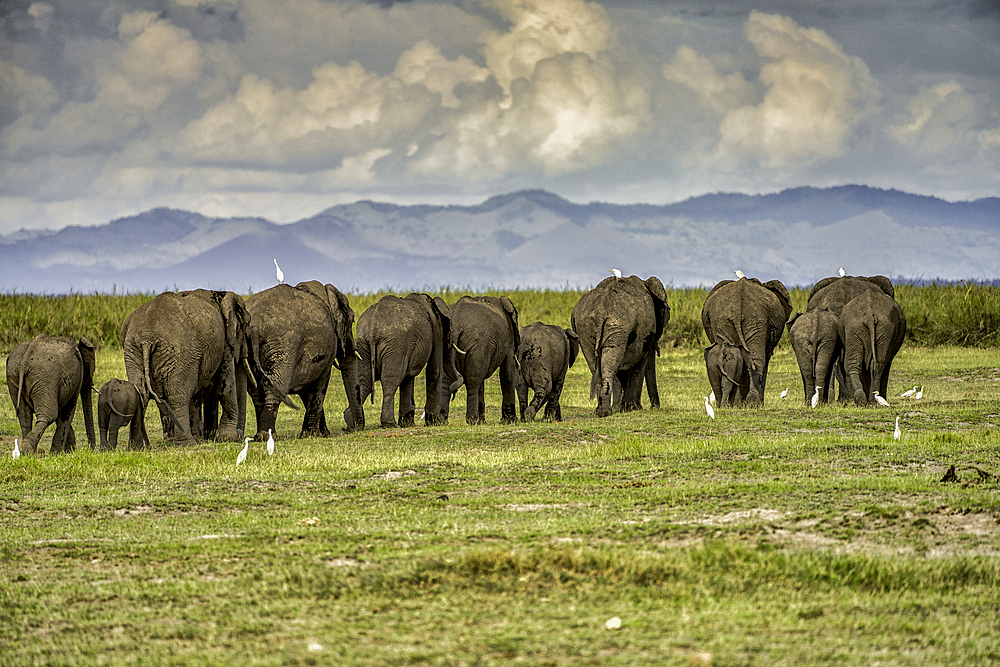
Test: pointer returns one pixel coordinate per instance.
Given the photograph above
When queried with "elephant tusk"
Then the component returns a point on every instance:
(250, 378)
(358, 355)
(458, 349)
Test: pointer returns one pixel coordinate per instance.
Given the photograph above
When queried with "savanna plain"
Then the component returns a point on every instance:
(780, 535)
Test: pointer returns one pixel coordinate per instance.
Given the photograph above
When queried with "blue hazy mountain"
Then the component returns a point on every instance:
(530, 238)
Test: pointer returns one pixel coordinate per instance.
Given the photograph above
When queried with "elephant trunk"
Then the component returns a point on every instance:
(353, 416)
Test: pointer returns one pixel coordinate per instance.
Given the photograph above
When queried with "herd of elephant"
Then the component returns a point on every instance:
(198, 355)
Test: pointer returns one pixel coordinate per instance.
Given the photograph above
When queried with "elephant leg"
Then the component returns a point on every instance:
(609, 389)
(482, 402)
(553, 410)
(473, 398)
(111, 441)
(508, 404)
(652, 389)
(542, 387)
(407, 406)
(313, 397)
(389, 388)
(64, 439)
(631, 381)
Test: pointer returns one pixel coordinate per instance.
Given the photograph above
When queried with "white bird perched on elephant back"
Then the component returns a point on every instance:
(278, 272)
(618, 274)
(739, 274)
(842, 272)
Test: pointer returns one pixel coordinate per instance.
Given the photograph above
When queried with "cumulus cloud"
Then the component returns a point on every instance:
(938, 119)
(814, 97)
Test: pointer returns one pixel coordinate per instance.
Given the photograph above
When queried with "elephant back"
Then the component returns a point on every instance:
(834, 293)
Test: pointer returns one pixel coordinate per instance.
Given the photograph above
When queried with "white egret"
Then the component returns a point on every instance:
(815, 399)
(17, 452)
(784, 393)
(909, 392)
(842, 272)
(920, 393)
(739, 274)
(243, 452)
(881, 401)
(618, 274)
(709, 409)
(896, 433)
(278, 272)
(711, 397)
(270, 443)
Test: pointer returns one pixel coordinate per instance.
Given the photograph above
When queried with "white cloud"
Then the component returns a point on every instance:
(814, 97)
(938, 119)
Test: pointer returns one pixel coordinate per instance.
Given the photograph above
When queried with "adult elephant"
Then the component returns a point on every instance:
(486, 333)
(619, 323)
(833, 294)
(750, 315)
(397, 339)
(872, 326)
(815, 337)
(178, 345)
(44, 377)
(297, 336)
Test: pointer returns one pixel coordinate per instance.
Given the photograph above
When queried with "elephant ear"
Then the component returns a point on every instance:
(778, 289)
(883, 284)
(791, 321)
(511, 310)
(660, 305)
(235, 316)
(89, 355)
(574, 345)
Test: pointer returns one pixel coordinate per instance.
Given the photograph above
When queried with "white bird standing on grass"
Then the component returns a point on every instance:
(270, 443)
(709, 409)
(881, 401)
(618, 274)
(815, 399)
(243, 452)
(784, 393)
(16, 454)
(896, 433)
(920, 393)
(909, 392)
(711, 397)
(278, 273)
(842, 272)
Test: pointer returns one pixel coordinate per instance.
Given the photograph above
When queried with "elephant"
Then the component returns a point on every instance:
(872, 326)
(544, 355)
(750, 315)
(44, 377)
(120, 403)
(297, 336)
(815, 337)
(397, 338)
(833, 294)
(179, 344)
(619, 323)
(728, 369)
(486, 334)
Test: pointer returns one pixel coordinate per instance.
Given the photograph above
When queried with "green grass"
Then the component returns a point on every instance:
(777, 536)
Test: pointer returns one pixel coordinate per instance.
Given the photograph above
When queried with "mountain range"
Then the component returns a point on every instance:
(529, 238)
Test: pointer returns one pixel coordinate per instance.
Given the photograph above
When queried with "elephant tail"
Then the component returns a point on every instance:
(147, 353)
(595, 377)
(871, 331)
(746, 348)
(20, 371)
(123, 416)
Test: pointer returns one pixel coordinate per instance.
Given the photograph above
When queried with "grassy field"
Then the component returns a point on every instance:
(772, 536)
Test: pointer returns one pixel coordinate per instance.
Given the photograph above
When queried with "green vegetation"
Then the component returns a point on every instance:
(965, 314)
(773, 536)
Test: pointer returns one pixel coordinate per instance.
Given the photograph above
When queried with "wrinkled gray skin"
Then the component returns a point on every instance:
(44, 378)
(619, 323)
(815, 337)
(486, 332)
(750, 315)
(872, 326)
(120, 404)
(544, 355)
(397, 338)
(179, 344)
(298, 335)
(728, 370)
(833, 294)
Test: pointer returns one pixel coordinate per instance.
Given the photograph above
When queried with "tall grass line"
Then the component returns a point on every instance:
(964, 314)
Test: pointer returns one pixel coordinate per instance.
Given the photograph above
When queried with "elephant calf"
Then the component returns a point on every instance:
(119, 404)
(728, 369)
(815, 337)
(545, 354)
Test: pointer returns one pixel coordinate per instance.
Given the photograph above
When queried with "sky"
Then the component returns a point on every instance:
(281, 109)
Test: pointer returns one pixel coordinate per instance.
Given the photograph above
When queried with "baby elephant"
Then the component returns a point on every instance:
(728, 369)
(545, 354)
(118, 404)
